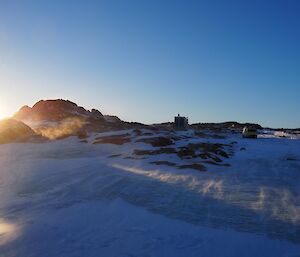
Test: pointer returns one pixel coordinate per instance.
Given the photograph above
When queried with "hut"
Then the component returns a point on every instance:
(180, 122)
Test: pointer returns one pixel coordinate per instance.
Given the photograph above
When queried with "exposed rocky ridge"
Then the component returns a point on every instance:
(55, 110)
(225, 125)
(232, 125)
(60, 118)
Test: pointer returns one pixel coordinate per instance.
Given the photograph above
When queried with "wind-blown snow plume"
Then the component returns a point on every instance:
(67, 127)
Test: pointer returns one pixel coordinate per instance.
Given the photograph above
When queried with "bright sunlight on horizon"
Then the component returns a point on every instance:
(6, 111)
(3, 114)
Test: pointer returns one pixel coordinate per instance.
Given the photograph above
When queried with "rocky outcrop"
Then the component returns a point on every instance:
(60, 118)
(232, 125)
(15, 131)
(55, 110)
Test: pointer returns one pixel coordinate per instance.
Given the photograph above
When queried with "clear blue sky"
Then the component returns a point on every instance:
(149, 60)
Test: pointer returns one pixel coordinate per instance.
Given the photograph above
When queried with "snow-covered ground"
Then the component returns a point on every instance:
(66, 198)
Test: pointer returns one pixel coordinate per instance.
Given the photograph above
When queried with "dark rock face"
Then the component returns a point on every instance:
(15, 131)
(96, 114)
(60, 118)
(157, 141)
(164, 163)
(115, 140)
(54, 110)
(195, 166)
(162, 150)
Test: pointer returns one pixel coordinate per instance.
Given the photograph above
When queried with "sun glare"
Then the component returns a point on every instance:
(3, 113)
